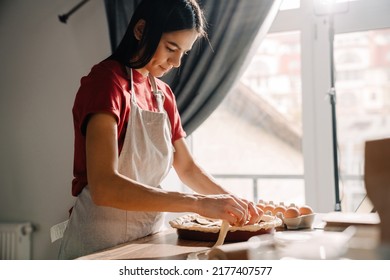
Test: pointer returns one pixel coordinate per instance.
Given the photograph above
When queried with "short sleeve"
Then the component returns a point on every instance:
(99, 92)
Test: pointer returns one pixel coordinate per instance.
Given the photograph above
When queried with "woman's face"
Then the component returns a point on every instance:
(170, 50)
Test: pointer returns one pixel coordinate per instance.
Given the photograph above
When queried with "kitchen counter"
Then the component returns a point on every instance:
(162, 245)
(167, 245)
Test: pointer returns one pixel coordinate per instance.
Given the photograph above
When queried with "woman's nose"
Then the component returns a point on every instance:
(175, 60)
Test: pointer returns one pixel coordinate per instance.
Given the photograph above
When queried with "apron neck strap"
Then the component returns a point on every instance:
(153, 84)
(130, 76)
(157, 93)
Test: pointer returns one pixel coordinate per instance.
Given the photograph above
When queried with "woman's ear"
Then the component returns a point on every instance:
(139, 29)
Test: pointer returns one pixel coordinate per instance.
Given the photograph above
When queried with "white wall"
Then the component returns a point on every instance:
(41, 63)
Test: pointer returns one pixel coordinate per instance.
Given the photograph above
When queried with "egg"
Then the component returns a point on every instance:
(269, 208)
(305, 210)
(260, 206)
(280, 209)
(291, 212)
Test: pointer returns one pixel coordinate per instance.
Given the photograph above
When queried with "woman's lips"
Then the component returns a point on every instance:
(165, 68)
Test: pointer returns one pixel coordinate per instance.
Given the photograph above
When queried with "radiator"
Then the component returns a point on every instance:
(15, 241)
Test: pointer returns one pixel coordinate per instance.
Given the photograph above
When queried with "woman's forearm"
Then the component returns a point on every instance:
(121, 192)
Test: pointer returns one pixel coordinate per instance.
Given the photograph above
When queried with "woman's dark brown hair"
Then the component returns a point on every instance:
(160, 16)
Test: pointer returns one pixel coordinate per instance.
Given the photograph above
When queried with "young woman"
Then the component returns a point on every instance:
(128, 134)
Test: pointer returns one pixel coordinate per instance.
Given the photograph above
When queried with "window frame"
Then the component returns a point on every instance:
(317, 144)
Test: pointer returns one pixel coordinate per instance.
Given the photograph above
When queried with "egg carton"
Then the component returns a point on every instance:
(303, 221)
(300, 222)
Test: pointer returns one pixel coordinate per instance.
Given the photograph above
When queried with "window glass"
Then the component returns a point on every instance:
(290, 4)
(362, 62)
(257, 130)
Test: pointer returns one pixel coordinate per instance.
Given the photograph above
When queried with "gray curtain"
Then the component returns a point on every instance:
(209, 72)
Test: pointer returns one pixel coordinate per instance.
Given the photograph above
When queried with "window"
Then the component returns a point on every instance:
(271, 138)
(257, 130)
(363, 107)
(289, 5)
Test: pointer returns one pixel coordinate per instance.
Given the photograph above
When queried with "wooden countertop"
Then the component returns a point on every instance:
(162, 245)
(166, 245)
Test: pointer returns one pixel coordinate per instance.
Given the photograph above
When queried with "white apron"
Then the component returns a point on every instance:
(146, 157)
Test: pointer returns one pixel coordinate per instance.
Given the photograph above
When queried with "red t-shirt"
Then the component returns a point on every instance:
(107, 89)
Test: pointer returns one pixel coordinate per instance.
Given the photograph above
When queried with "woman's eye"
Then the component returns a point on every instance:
(170, 50)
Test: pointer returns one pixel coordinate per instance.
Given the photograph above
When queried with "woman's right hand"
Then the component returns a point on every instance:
(228, 207)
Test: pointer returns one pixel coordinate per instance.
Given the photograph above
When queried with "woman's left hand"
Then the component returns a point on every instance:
(253, 213)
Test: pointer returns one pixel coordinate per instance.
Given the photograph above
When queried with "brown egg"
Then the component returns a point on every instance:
(280, 209)
(305, 210)
(260, 205)
(269, 207)
(291, 212)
